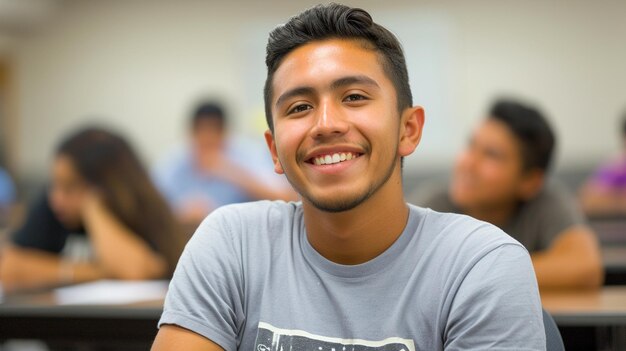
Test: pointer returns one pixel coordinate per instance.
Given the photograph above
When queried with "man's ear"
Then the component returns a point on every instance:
(271, 144)
(532, 183)
(411, 126)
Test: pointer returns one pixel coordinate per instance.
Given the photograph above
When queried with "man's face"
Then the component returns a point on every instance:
(336, 124)
(207, 136)
(489, 171)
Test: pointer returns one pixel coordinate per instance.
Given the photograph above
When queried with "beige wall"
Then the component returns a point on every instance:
(141, 64)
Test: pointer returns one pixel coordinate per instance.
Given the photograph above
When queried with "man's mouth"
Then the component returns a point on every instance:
(329, 159)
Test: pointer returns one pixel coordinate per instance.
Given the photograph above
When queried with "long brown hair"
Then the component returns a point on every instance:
(107, 162)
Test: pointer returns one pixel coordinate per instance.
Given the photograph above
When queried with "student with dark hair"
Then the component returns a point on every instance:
(352, 266)
(500, 178)
(604, 193)
(215, 170)
(99, 190)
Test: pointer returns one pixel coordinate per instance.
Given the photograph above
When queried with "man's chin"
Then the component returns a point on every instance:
(337, 204)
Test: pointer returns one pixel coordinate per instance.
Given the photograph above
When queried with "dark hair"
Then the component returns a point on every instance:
(107, 162)
(337, 21)
(531, 129)
(209, 110)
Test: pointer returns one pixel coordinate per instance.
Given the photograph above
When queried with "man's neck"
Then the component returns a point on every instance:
(360, 234)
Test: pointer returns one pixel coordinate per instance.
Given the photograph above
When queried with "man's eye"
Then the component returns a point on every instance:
(354, 97)
(300, 108)
(494, 154)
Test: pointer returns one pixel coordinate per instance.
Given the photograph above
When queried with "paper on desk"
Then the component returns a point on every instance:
(111, 292)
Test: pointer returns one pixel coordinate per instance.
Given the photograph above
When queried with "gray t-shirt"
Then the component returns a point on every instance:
(250, 280)
(535, 224)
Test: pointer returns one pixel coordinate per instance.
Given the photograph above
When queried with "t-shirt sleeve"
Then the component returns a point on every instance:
(497, 306)
(41, 230)
(206, 291)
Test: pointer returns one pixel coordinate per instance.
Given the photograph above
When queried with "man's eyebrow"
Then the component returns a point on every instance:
(349, 80)
(294, 92)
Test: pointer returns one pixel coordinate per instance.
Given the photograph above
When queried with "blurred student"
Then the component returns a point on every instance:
(7, 195)
(215, 170)
(605, 191)
(100, 190)
(500, 178)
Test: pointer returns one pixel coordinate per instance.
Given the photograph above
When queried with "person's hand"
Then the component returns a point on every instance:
(194, 211)
(92, 204)
(217, 164)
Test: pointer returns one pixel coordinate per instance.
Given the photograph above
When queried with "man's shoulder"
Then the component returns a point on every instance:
(554, 199)
(250, 211)
(450, 230)
(554, 192)
(251, 220)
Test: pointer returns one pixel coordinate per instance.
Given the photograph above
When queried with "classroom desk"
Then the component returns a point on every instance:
(610, 230)
(614, 259)
(38, 316)
(604, 310)
(606, 306)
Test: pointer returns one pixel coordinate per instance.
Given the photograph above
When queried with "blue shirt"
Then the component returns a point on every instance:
(7, 190)
(182, 182)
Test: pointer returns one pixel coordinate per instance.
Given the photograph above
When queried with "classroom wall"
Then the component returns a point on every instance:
(139, 65)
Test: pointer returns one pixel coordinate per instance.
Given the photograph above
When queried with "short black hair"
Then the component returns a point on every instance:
(531, 129)
(342, 22)
(209, 110)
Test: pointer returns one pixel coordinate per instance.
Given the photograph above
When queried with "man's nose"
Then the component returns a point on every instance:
(330, 120)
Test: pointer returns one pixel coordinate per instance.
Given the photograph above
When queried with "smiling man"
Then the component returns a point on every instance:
(501, 178)
(352, 266)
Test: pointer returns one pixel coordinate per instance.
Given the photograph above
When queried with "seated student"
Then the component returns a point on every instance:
(605, 192)
(215, 170)
(499, 178)
(7, 196)
(352, 266)
(100, 190)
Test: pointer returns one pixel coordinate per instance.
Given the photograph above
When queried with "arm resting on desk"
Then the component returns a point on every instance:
(22, 268)
(598, 199)
(572, 261)
(171, 337)
(121, 253)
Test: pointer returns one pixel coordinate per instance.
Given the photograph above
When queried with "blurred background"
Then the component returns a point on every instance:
(142, 64)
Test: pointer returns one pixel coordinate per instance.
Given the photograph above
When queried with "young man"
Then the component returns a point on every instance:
(215, 171)
(353, 266)
(499, 178)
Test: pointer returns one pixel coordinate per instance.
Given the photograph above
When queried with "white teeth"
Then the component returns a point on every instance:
(332, 159)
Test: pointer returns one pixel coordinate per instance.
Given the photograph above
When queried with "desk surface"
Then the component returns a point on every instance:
(38, 316)
(610, 231)
(614, 257)
(606, 306)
